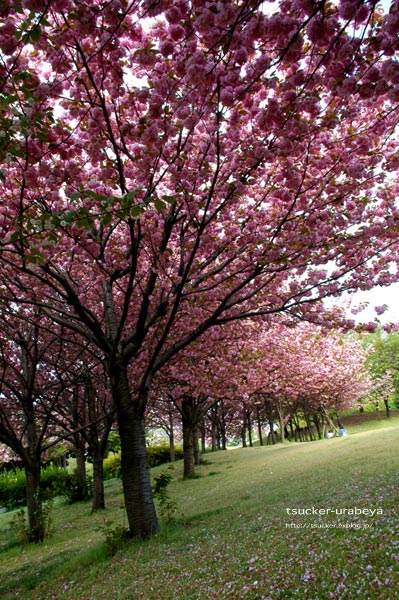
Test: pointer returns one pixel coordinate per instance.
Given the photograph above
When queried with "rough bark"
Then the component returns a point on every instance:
(171, 436)
(32, 473)
(196, 448)
(80, 448)
(316, 421)
(258, 419)
(203, 436)
(309, 426)
(249, 425)
(97, 445)
(188, 450)
(98, 502)
(188, 422)
(34, 502)
(387, 409)
(214, 428)
(223, 429)
(139, 503)
(281, 421)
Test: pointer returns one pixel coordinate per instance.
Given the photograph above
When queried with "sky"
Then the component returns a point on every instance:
(377, 297)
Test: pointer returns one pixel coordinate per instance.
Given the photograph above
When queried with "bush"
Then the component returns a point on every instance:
(54, 482)
(12, 488)
(20, 527)
(73, 491)
(114, 443)
(112, 467)
(116, 538)
(157, 455)
(160, 492)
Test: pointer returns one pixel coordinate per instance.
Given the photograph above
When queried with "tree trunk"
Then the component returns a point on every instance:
(309, 426)
(222, 423)
(244, 436)
(98, 483)
(97, 446)
(171, 436)
(214, 432)
(188, 450)
(34, 503)
(139, 503)
(244, 428)
(80, 448)
(292, 433)
(32, 474)
(281, 421)
(190, 418)
(203, 436)
(328, 420)
(387, 409)
(316, 422)
(197, 453)
(259, 426)
(271, 433)
(249, 428)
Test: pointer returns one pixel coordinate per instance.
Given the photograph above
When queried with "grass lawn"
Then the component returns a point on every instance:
(232, 536)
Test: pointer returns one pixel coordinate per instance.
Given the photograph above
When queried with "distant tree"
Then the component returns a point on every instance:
(383, 361)
(86, 415)
(308, 370)
(30, 392)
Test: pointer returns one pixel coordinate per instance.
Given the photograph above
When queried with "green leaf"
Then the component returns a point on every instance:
(35, 33)
(8, 99)
(135, 212)
(107, 219)
(131, 195)
(69, 217)
(159, 205)
(169, 199)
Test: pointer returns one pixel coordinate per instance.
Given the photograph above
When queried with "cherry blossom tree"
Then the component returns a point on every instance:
(86, 416)
(306, 370)
(196, 379)
(175, 166)
(30, 392)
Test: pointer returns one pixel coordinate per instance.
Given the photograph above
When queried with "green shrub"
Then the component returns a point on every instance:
(73, 491)
(20, 527)
(115, 537)
(12, 488)
(54, 482)
(114, 443)
(156, 455)
(159, 489)
(112, 467)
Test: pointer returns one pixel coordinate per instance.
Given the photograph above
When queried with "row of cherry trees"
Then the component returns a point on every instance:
(279, 376)
(169, 168)
(52, 390)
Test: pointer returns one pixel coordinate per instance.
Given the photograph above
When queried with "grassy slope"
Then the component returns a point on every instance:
(232, 537)
(357, 422)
